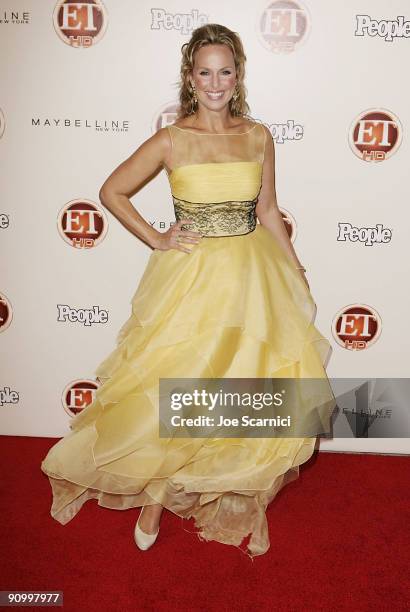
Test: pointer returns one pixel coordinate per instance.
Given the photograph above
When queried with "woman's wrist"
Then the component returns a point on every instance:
(155, 240)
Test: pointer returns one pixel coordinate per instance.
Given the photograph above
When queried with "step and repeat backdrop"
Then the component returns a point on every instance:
(84, 84)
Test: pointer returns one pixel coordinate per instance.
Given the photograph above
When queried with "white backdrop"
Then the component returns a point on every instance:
(84, 86)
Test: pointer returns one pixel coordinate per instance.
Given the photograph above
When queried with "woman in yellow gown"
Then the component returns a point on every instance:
(223, 296)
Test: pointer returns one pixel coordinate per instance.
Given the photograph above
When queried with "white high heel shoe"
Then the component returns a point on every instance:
(144, 540)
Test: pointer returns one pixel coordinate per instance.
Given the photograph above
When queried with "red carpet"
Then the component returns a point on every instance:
(339, 541)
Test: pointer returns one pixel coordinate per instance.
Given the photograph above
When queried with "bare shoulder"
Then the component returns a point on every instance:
(158, 145)
(267, 131)
(269, 145)
(161, 137)
(249, 123)
(162, 141)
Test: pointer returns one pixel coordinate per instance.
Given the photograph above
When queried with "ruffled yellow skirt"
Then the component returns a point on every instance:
(233, 307)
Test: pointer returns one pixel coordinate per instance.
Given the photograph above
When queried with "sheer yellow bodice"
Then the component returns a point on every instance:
(216, 178)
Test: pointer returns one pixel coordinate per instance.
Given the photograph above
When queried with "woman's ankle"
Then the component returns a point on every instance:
(150, 517)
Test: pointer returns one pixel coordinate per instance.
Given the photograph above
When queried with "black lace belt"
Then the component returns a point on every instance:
(229, 218)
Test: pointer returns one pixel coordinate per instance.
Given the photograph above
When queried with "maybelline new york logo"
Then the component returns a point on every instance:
(372, 408)
(102, 126)
(183, 23)
(14, 17)
(388, 29)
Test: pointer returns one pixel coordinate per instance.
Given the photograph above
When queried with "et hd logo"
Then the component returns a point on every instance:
(82, 224)
(375, 135)
(80, 24)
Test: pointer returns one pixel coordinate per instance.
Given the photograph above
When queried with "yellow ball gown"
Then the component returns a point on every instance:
(236, 307)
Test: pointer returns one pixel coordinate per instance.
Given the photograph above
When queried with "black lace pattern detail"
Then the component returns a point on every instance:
(230, 218)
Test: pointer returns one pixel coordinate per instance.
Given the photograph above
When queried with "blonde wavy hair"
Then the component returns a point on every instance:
(212, 34)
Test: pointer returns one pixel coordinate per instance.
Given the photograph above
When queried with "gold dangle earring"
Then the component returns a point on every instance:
(235, 96)
(194, 99)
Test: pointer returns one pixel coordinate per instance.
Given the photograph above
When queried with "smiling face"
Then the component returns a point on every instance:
(214, 76)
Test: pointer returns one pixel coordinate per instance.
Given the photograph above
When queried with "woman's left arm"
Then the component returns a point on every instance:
(267, 209)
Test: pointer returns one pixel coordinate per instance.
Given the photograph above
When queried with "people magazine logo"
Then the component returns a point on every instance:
(184, 23)
(82, 224)
(4, 221)
(7, 396)
(375, 135)
(356, 327)
(80, 24)
(6, 313)
(282, 132)
(83, 316)
(366, 235)
(78, 394)
(388, 29)
(283, 26)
